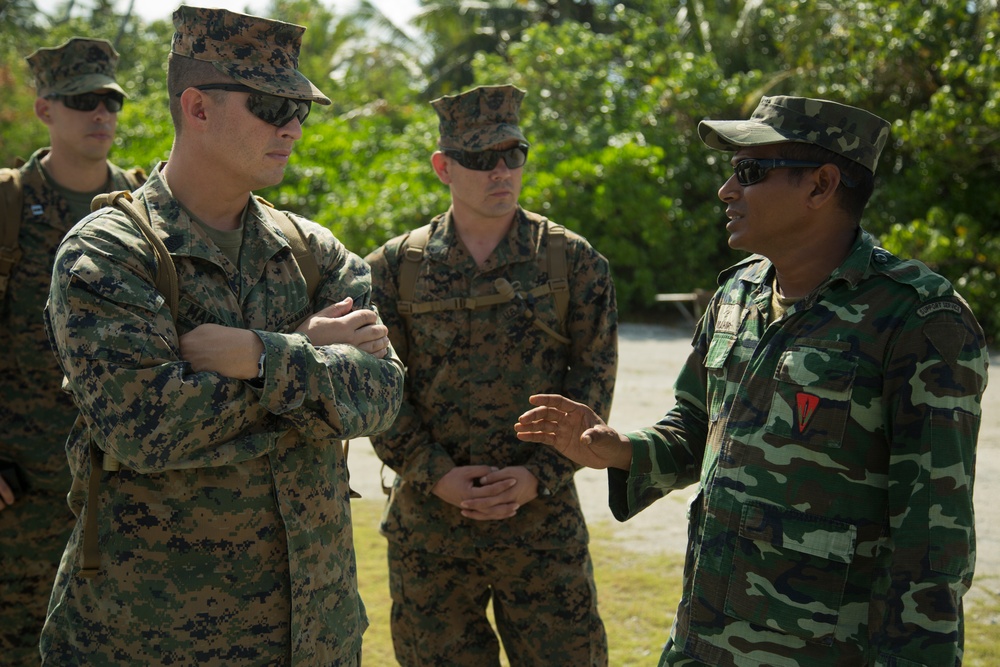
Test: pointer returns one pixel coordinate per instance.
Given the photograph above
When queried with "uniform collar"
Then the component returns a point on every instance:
(518, 246)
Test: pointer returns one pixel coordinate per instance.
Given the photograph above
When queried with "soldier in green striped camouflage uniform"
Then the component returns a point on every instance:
(828, 413)
(221, 504)
(78, 100)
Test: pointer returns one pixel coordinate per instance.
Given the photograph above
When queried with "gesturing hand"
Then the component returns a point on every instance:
(575, 431)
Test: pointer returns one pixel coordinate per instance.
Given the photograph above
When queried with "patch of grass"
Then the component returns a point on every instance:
(982, 624)
(638, 595)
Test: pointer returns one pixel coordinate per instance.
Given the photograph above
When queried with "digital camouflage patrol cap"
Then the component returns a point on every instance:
(79, 66)
(854, 133)
(479, 118)
(257, 52)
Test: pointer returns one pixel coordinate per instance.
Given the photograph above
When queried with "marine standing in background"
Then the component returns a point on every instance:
(78, 99)
(221, 510)
(828, 413)
(488, 304)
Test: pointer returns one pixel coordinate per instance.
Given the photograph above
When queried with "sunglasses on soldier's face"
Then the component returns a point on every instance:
(488, 160)
(112, 99)
(272, 109)
(754, 170)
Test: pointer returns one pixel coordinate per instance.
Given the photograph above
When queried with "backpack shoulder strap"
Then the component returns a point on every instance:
(166, 272)
(166, 284)
(11, 202)
(135, 177)
(413, 256)
(558, 268)
(303, 254)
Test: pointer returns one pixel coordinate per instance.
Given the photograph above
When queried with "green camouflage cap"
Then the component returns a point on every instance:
(79, 66)
(258, 52)
(479, 118)
(845, 130)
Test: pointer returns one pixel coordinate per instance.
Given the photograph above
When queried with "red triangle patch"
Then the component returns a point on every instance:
(806, 404)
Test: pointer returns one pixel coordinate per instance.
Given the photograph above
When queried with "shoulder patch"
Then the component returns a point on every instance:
(938, 306)
(947, 339)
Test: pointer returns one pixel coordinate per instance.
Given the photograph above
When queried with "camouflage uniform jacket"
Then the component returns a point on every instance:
(35, 414)
(834, 451)
(469, 376)
(226, 537)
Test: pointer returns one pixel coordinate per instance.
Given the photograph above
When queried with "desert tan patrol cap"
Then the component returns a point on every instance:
(257, 52)
(854, 133)
(479, 118)
(79, 66)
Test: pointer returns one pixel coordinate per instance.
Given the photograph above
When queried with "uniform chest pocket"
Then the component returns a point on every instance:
(790, 570)
(812, 398)
(716, 358)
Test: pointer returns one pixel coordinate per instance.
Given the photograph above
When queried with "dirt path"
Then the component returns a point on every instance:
(650, 359)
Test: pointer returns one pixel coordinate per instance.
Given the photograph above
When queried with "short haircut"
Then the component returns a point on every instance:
(852, 200)
(183, 73)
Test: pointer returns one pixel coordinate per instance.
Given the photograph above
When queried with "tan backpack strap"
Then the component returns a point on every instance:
(91, 552)
(135, 177)
(558, 271)
(505, 293)
(11, 202)
(166, 284)
(166, 272)
(303, 254)
(413, 257)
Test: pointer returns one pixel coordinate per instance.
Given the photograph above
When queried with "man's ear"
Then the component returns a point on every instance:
(442, 167)
(193, 106)
(42, 110)
(824, 181)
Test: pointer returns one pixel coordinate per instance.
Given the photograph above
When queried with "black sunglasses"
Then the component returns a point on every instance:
(754, 170)
(272, 109)
(488, 160)
(113, 101)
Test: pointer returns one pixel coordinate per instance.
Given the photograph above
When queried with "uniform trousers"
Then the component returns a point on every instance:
(544, 605)
(33, 534)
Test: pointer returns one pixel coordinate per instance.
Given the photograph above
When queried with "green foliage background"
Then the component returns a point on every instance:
(615, 92)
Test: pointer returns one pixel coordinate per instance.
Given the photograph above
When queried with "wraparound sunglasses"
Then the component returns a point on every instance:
(272, 109)
(754, 170)
(113, 101)
(487, 160)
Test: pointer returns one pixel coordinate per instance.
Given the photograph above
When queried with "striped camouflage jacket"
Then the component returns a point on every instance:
(834, 451)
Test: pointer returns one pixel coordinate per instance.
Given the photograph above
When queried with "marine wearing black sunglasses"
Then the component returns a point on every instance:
(112, 99)
(272, 109)
(487, 160)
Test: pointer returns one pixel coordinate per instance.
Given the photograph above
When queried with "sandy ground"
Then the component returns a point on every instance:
(650, 358)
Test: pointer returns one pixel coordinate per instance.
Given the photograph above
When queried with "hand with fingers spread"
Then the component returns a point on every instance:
(575, 431)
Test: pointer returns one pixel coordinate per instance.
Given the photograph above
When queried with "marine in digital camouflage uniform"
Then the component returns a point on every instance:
(224, 534)
(56, 184)
(474, 515)
(828, 413)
